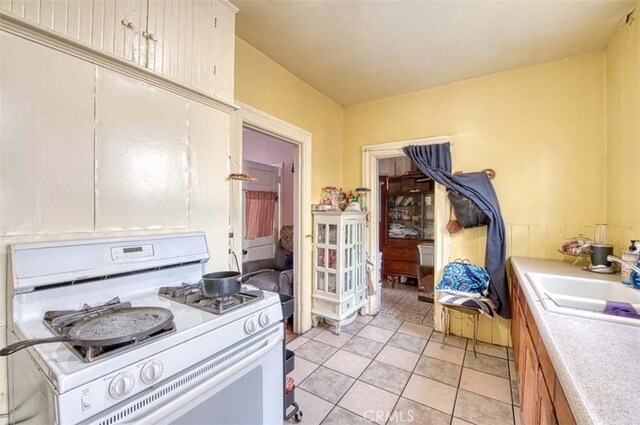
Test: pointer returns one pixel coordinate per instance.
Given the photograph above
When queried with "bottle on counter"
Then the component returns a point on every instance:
(630, 255)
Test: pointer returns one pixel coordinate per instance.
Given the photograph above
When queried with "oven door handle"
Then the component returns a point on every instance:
(164, 412)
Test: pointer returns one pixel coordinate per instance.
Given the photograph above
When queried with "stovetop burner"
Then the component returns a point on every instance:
(191, 294)
(60, 322)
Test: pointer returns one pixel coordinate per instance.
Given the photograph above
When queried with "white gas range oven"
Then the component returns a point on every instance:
(212, 363)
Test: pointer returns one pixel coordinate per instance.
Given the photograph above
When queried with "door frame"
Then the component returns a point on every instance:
(370, 156)
(250, 117)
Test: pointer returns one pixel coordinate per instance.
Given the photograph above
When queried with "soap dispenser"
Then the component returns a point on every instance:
(631, 256)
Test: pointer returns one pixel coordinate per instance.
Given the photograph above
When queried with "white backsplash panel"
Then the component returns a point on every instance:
(142, 155)
(46, 156)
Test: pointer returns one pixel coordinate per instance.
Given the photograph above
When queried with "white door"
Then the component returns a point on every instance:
(268, 179)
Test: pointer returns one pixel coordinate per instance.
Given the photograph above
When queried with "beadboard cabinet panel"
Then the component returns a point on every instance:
(79, 17)
(104, 25)
(159, 24)
(184, 52)
(204, 33)
(131, 21)
(224, 51)
(142, 156)
(46, 151)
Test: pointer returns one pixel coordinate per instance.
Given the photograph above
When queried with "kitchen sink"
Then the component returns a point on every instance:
(583, 297)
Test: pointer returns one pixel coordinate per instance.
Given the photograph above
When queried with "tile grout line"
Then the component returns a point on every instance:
(513, 410)
(464, 357)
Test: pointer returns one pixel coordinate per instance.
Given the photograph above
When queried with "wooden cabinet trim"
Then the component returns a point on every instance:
(547, 368)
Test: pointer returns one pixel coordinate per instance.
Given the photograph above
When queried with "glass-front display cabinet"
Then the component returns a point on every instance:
(339, 272)
(410, 216)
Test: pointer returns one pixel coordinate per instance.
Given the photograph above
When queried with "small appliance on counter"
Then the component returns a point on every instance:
(599, 262)
(600, 250)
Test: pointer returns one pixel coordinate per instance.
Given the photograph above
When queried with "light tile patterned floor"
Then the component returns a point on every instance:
(388, 370)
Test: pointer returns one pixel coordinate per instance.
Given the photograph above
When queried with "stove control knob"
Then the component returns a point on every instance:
(265, 319)
(250, 326)
(151, 372)
(121, 385)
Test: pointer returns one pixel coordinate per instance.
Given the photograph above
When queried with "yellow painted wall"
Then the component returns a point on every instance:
(542, 128)
(623, 133)
(265, 85)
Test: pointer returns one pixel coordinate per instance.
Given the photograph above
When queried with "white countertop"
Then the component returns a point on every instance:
(597, 362)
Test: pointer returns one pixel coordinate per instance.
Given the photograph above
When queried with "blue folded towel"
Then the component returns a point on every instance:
(617, 308)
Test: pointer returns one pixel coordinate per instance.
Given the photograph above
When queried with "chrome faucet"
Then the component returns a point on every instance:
(635, 268)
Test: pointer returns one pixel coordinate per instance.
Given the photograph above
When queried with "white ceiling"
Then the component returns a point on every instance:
(360, 50)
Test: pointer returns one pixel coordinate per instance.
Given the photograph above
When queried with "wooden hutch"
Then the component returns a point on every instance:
(407, 205)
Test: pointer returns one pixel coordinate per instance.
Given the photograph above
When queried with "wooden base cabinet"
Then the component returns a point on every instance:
(542, 400)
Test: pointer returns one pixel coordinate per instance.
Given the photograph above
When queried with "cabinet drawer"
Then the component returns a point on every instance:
(400, 268)
(401, 254)
(361, 297)
(325, 305)
(347, 305)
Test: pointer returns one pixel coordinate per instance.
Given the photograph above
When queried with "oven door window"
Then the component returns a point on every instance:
(240, 402)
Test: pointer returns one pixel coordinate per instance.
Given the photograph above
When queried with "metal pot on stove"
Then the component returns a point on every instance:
(225, 284)
(221, 284)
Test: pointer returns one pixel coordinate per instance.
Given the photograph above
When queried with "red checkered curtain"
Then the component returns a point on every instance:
(261, 207)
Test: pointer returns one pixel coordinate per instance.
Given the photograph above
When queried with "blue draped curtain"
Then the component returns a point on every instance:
(435, 162)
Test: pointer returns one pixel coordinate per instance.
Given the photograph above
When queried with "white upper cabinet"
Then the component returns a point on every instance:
(189, 41)
(224, 47)
(203, 61)
(169, 37)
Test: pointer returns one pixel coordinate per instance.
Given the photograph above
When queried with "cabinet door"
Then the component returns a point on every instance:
(546, 413)
(130, 22)
(529, 382)
(171, 31)
(224, 50)
(203, 64)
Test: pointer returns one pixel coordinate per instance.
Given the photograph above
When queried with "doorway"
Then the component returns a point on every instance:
(268, 215)
(406, 232)
(246, 119)
(372, 155)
